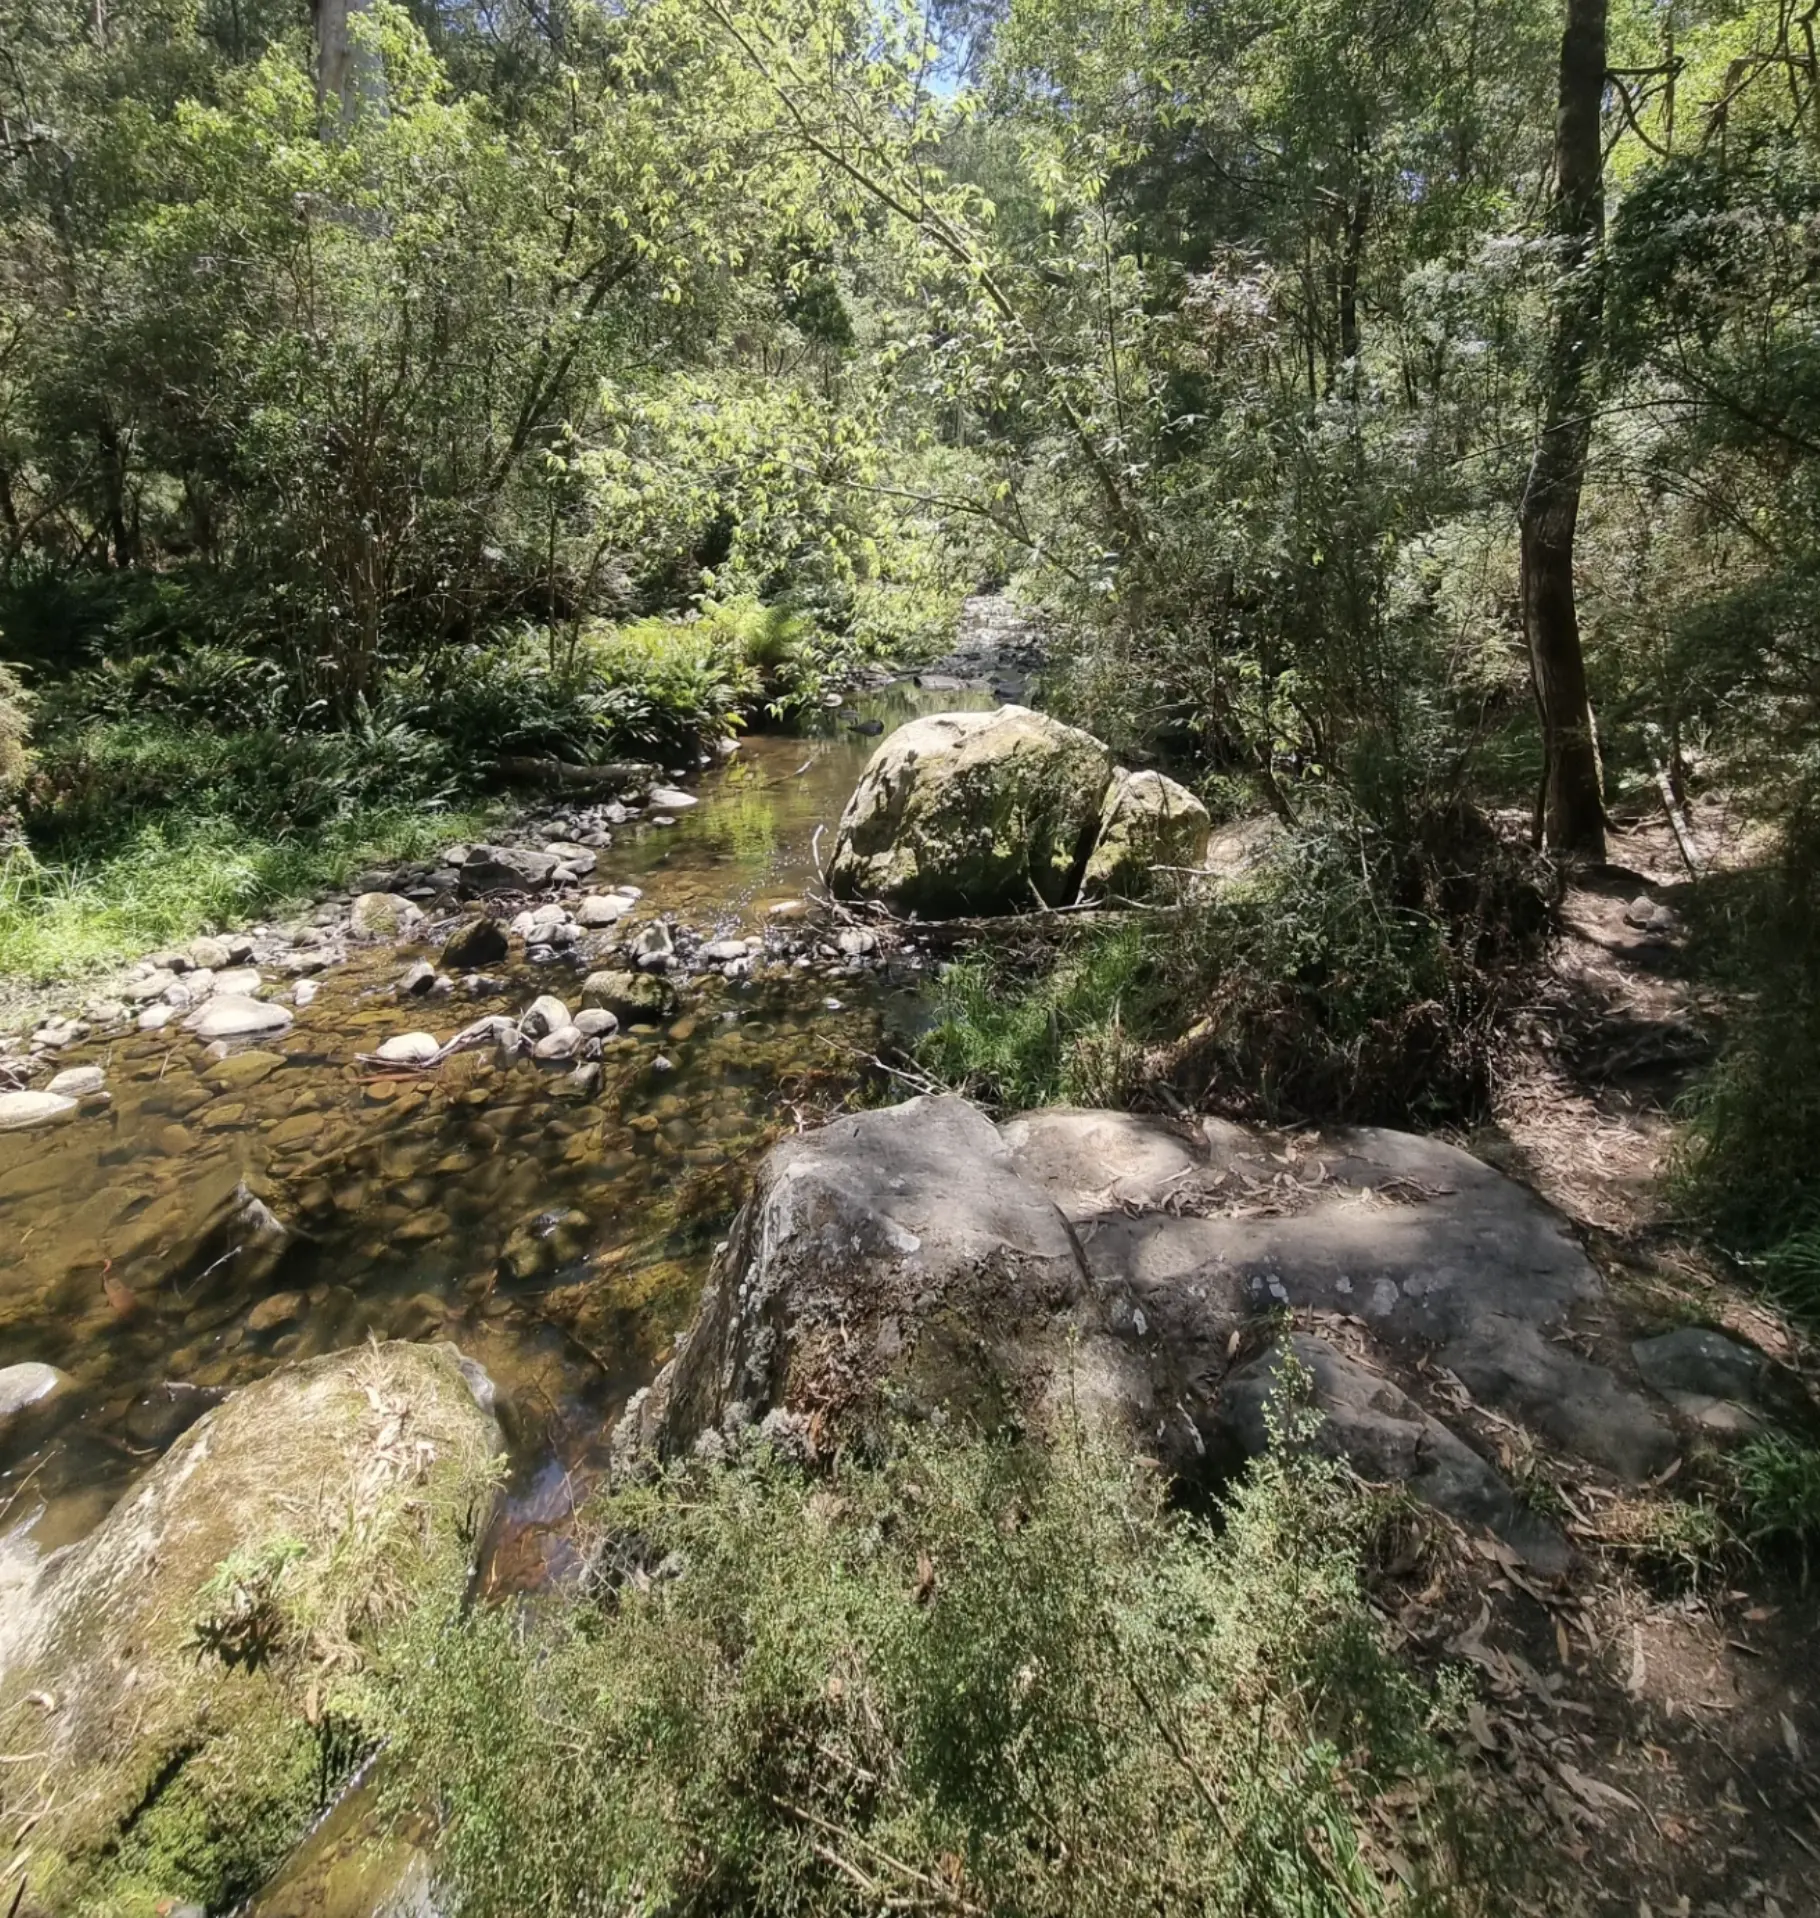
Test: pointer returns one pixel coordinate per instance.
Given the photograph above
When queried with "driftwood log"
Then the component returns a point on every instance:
(559, 773)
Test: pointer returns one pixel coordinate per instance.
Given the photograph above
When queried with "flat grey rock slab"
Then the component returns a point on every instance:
(920, 1256)
(1385, 1436)
(1431, 1249)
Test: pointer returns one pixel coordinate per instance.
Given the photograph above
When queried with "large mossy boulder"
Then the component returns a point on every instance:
(974, 813)
(190, 1678)
(1150, 824)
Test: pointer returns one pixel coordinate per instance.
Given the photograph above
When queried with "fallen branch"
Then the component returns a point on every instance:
(560, 773)
(1677, 819)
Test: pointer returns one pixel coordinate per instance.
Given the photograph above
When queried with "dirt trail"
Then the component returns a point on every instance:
(1656, 1725)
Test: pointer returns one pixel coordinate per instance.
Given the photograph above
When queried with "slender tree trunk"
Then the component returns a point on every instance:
(347, 77)
(1573, 808)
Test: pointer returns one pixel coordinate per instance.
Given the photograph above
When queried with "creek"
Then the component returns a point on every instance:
(560, 1242)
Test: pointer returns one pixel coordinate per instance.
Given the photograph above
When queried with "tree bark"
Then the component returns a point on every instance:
(347, 77)
(1573, 807)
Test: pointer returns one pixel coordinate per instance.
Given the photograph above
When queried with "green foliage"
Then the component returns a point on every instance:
(1002, 1674)
(1777, 1487)
(1747, 1161)
(166, 879)
(15, 727)
(1072, 1035)
(1336, 979)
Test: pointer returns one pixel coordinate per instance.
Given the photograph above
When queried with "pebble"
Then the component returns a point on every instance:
(416, 978)
(156, 1018)
(304, 991)
(602, 909)
(279, 1309)
(240, 982)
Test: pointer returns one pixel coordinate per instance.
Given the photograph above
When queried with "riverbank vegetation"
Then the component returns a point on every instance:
(967, 1675)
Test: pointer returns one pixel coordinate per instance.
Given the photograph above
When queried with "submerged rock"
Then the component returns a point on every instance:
(189, 1672)
(973, 813)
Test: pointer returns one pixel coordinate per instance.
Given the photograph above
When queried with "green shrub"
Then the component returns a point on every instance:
(972, 1676)
(1777, 1481)
(1073, 1035)
(1313, 987)
(15, 726)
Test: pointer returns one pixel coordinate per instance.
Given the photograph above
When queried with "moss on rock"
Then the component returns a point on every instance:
(973, 813)
(1149, 821)
(193, 1671)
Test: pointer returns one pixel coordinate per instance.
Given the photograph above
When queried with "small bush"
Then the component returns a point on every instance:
(1778, 1494)
(1339, 980)
(1073, 1035)
(972, 1676)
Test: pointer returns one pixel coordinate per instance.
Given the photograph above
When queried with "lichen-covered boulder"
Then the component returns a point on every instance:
(189, 1677)
(973, 813)
(633, 998)
(1149, 822)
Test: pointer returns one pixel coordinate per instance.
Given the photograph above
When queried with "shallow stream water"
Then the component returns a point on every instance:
(561, 1243)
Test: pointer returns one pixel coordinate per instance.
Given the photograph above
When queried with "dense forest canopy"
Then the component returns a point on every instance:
(341, 353)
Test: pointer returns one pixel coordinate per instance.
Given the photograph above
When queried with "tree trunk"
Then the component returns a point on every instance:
(347, 77)
(1573, 807)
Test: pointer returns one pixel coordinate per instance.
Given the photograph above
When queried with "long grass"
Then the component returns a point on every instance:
(167, 880)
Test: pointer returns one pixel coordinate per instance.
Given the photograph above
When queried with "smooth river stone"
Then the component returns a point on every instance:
(28, 1384)
(78, 1082)
(242, 1069)
(18, 1110)
(232, 1017)
(409, 1049)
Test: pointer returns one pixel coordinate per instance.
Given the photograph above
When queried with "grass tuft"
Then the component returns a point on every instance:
(166, 880)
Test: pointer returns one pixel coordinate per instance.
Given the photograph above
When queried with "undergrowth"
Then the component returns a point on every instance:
(969, 1677)
(1345, 978)
(166, 879)
(1748, 1166)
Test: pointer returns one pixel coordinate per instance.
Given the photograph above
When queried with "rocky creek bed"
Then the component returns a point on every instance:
(246, 1158)
(456, 1158)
